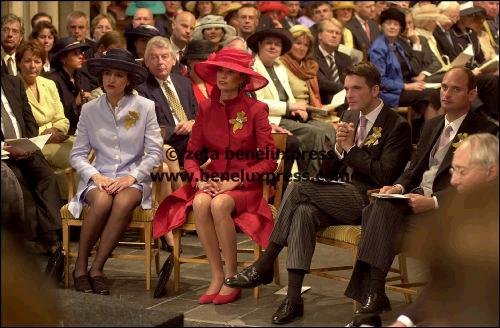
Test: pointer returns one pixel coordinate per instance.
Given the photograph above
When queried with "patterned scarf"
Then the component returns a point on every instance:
(305, 70)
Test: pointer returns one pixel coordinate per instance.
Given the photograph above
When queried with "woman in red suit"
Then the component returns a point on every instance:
(228, 191)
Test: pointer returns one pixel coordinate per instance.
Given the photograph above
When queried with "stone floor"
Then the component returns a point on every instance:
(324, 303)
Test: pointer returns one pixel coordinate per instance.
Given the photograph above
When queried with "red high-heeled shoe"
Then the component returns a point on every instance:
(207, 298)
(224, 299)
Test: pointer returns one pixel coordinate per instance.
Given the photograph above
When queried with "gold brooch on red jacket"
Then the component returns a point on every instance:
(238, 121)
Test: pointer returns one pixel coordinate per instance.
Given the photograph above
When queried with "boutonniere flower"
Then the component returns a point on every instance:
(461, 137)
(238, 121)
(372, 139)
(131, 119)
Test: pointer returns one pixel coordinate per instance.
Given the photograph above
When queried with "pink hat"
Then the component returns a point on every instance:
(233, 59)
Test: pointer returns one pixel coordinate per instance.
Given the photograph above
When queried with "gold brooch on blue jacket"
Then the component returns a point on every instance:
(131, 119)
(238, 121)
(372, 138)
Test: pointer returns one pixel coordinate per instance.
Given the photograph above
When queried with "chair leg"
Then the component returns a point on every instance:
(147, 251)
(277, 280)
(177, 253)
(257, 251)
(157, 256)
(403, 271)
(355, 304)
(65, 232)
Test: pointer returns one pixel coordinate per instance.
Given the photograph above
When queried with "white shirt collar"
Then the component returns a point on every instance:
(455, 125)
(324, 52)
(372, 116)
(168, 80)
(360, 20)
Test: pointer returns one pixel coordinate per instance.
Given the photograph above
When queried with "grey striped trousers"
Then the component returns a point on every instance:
(306, 208)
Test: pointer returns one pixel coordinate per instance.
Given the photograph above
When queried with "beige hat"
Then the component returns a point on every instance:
(428, 12)
(212, 21)
(343, 5)
(227, 8)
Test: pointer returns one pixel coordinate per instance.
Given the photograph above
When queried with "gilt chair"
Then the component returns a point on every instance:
(280, 143)
(141, 219)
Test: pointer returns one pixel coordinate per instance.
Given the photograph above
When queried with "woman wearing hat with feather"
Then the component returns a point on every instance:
(123, 130)
(227, 123)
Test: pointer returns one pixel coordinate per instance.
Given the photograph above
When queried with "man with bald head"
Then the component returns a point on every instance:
(182, 33)
(424, 183)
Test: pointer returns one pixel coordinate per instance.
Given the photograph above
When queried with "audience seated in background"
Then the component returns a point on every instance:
(214, 29)
(182, 33)
(321, 10)
(425, 182)
(40, 17)
(72, 84)
(284, 110)
(332, 63)
(101, 24)
(118, 122)
(343, 11)
(460, 242)
(138, 37)
(40, 190)
(46, 34)
(292, 15)
(198, 51)
(363, 27)
(220, 203)
(307, 205)
(77, 26)
(248, 17)
(398, 86)
(45, 104)
(201, 9)
(12, 36)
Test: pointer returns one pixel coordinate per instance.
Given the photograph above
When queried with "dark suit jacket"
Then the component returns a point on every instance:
(474, 122)
(360, 39)
(68, 93)
(462, 39)
(15, 93)
(444, 45)
(378, 165)
(151, 90)
(423, 60)
(328, 88)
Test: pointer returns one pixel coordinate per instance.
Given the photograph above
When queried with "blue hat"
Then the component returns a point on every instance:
(156, 7)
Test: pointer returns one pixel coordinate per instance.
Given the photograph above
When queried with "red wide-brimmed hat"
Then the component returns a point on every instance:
(233, 59)
(265, 6)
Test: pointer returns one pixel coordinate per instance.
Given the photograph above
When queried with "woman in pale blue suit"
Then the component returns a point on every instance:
(122, 129)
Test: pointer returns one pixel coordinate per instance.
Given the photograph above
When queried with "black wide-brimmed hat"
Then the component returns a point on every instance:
(64, 45)
(147, 31)
(468, 9)
(119, 59)
(197, 49)
(394, 14)
(282, 33)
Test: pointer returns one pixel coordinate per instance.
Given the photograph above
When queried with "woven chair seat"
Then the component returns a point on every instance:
(139, 214)
(350, 234)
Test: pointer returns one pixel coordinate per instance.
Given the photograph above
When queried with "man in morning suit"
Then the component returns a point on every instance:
(425, 182)
(372, 147)
(332, 63)
(173, 95)
(36, 177)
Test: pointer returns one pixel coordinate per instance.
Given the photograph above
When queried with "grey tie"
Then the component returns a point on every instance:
(333, 68)
(8, 126)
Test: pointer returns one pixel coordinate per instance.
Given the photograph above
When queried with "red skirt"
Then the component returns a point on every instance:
(253, 215)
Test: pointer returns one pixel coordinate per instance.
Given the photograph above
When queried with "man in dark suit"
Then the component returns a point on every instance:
(362, 25)
(173, 95)
(36, 177)
(332, 63)
(372, 147)
(424, 182)
(12, 36)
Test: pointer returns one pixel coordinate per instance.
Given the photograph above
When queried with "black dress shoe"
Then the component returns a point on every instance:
(99, 285)
(375, 304)
(82, 283)
(373, 321)
(288, 311)
(249, 278)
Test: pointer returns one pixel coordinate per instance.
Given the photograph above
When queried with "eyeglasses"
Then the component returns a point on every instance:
(7, 30)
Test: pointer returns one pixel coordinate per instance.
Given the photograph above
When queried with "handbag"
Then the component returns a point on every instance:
(54, 270)
(165, 272)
